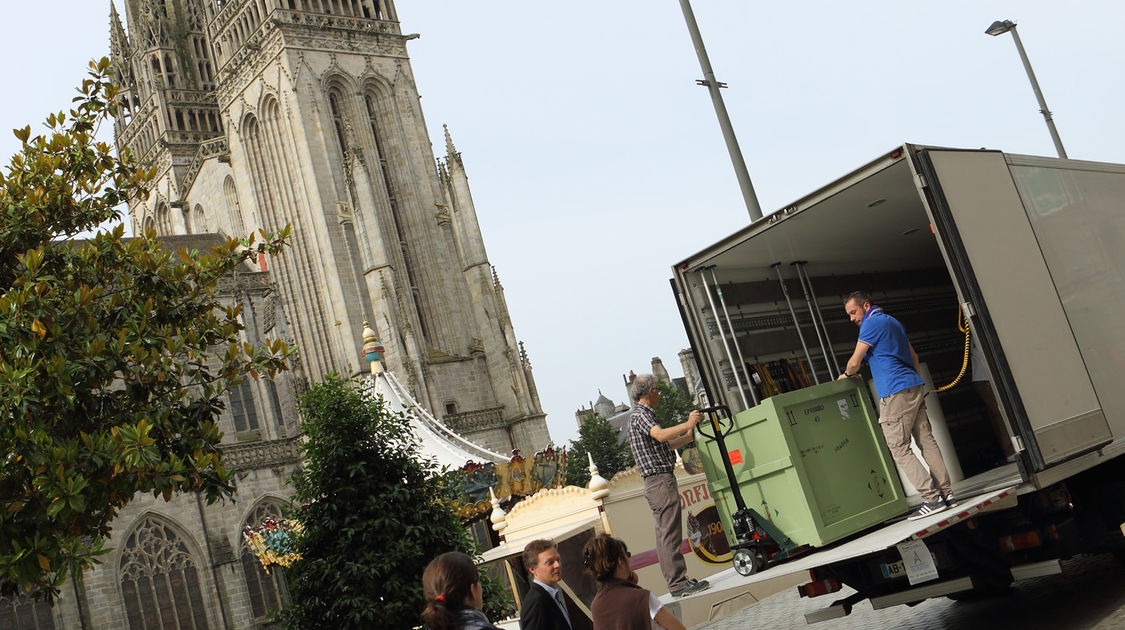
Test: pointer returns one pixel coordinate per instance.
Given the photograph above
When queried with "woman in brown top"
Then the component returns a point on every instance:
(620, 604)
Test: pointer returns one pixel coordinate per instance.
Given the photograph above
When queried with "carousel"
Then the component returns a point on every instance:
(484, 475)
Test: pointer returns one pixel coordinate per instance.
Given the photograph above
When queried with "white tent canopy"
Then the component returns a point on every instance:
(438, 441)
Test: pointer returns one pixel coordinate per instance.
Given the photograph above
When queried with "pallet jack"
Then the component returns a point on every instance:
(758, 543)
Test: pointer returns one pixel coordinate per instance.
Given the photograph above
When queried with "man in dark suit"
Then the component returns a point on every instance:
(544, 607)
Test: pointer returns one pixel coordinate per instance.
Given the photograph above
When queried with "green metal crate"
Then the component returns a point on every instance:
(812, 461)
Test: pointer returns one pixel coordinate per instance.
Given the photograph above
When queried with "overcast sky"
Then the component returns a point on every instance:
(596, 162)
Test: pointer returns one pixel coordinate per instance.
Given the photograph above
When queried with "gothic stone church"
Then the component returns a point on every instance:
(260, 114)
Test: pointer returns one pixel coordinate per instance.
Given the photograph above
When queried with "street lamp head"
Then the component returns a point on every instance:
(999, 27)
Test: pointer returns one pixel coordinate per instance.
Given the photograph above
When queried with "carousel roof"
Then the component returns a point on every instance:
(438, 441)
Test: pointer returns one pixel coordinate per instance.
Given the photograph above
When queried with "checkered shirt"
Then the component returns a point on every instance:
(652, 457)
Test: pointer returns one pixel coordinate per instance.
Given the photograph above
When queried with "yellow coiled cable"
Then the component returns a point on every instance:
(963, 326)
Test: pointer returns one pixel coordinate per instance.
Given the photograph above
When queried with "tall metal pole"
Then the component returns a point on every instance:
(1000, 27)
(748, 194)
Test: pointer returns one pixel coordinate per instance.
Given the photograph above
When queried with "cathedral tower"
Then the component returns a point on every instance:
(264, 113)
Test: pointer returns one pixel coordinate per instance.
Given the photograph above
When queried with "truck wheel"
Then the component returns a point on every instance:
(748, 561)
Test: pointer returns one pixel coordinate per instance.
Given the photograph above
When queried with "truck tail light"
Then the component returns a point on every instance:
(816, 588)
(1022, 540)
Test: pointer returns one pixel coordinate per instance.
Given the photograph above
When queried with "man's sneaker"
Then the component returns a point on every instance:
(692, 586)
(950, 500)
(927, 508)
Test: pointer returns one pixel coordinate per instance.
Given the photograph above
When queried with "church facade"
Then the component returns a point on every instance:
(262, 114)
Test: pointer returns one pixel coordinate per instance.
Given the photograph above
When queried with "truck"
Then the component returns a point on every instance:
(1021, 257)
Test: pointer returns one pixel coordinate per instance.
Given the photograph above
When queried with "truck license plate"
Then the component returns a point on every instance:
(892, 570)
(895, 570)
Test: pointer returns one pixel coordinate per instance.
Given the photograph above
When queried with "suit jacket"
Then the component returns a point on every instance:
(540, 612)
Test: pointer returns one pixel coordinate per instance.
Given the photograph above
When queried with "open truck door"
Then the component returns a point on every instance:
(999, 253)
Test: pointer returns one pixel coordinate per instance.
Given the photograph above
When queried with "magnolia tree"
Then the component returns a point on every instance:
(115, 354)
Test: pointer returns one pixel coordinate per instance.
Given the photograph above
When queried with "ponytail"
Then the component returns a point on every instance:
(446, 583)
(602, 554)
(438, 616)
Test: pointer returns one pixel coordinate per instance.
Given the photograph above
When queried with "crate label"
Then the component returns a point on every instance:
(917, 561)
(735, 456)
(843, 405)
(814, 411)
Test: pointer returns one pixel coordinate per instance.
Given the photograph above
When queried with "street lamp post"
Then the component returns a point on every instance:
(1000, 27)
(713, 85)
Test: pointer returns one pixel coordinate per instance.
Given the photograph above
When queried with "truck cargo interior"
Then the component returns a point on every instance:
(867, 232)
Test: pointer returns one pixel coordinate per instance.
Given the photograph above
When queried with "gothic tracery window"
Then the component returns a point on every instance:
(230, 193)
(199, 220)
(163, 220)
(21, 613)
(160, 580)
(338, 119)
(243, 412)
(267, 590)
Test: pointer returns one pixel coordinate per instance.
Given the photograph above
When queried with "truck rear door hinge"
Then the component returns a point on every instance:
(920, 181)
(967, 308)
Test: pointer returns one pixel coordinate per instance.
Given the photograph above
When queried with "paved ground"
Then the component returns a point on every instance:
(1088, 595)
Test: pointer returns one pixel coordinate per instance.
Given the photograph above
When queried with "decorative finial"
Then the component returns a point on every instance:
(450, 150)
(372, 349)
(499, 517)
(598, 485)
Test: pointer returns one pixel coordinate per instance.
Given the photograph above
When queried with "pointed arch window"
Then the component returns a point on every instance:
(242, 407)
(21, 613)
(169, 72)
(380, 147)
(199, 220)
(163, 220)
(160, 579)
(157, 73)
(230, 193)
(334, 101)
(274, 401)
(268, 590)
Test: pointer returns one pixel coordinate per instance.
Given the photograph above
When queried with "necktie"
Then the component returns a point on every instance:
(562, 605)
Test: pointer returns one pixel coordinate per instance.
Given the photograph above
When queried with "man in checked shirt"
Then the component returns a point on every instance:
(656, 460)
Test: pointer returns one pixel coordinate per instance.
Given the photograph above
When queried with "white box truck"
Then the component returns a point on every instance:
(1032, 251)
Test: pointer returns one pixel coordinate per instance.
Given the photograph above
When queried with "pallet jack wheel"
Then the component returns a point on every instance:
(748, 561)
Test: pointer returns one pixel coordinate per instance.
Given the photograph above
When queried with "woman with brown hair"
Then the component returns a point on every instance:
(620, 604)
(453, 593)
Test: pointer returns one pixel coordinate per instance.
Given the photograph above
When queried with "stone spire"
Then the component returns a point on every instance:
(118, 40)
(451, 152)
(532, 388)
(120, 51)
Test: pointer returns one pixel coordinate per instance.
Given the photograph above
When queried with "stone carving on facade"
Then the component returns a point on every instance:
(262, 454)
(470, 421)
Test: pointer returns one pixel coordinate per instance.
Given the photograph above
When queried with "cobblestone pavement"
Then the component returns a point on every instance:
(1088, 595)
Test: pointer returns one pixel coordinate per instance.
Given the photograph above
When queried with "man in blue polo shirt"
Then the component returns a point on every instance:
(902, 400)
